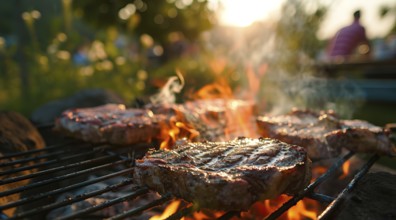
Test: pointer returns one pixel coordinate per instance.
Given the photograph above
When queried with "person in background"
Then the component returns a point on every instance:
(349, 41)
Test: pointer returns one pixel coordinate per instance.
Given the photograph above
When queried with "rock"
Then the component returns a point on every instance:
(373, 198)
(47, 113)
(17, 134)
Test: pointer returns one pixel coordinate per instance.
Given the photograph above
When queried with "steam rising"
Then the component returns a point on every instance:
(310, 92)
(287, 46)
(167, 95)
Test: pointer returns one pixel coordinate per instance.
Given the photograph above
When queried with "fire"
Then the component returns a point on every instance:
(317, 171)
(300, 211)
(304, 209)
(169, 210)
(237, 112)
(345, 169)
(216, 90)
(174, 130)
(237, 117)
(205, 215)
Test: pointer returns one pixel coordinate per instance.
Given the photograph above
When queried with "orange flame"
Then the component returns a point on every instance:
(304, 209)
(200, 215)
(178, 128)
(300, 211)
(216, 90)
(254, 79)
(169, 210)
(237, 114)
(174, 130)
(345, 169)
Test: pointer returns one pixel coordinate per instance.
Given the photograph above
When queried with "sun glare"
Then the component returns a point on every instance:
(242, 13)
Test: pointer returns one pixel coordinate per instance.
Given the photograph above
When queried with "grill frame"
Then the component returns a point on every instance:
(127, 157)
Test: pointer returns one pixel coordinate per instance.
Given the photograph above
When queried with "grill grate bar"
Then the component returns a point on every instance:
(293, 201)
(35, 158)
(320, 197)
(56, 169)
(64, 189)
(77, 198)
(152, 204)
(106, 204)
(331, 210)
(47, 163)
(55, 146)
(59, 178)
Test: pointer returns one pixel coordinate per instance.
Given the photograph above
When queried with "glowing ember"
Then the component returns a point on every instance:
(169, 210)
(205, 215)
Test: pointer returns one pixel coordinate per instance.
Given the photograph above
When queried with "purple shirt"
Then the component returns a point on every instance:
(347, 39)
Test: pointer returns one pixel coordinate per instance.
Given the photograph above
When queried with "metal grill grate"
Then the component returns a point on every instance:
(64, 168)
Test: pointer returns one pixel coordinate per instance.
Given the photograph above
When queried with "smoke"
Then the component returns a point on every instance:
(317, 93)
(167, 94)
(287, 47)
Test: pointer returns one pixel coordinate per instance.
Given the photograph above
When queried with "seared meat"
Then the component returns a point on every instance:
(361, 136)
(302, 128)
(116, 124)
(226, 175)
(110, 123)
(324, 134)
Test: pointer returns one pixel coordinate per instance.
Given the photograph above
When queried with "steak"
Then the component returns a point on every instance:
(361, 136)
(116, 124)
(111, 123)
(228, 175)
(323, 134)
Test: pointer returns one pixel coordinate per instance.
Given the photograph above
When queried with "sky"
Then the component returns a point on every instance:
(244, 12)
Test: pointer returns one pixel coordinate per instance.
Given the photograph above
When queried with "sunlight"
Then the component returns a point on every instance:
(242, 13)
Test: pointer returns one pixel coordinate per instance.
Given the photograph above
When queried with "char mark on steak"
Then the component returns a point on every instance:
(323, 134)
(228, 175)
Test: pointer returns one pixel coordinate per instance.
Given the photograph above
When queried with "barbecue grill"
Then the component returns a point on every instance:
(64, 167)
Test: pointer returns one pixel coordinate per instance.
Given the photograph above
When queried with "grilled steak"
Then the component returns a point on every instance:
(110, 123)
(226, 175)
(116, 124)
(361, 136)
(324, 134)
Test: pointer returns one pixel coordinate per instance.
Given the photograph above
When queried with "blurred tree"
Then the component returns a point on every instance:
(296, 39)
(389, 10)
(155, 18)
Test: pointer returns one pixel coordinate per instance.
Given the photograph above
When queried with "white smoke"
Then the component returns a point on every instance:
(167, 94)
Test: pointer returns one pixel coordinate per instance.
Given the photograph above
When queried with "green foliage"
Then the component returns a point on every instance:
(296, 34)
(386, 11)
(156, 18)
(40, 66)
